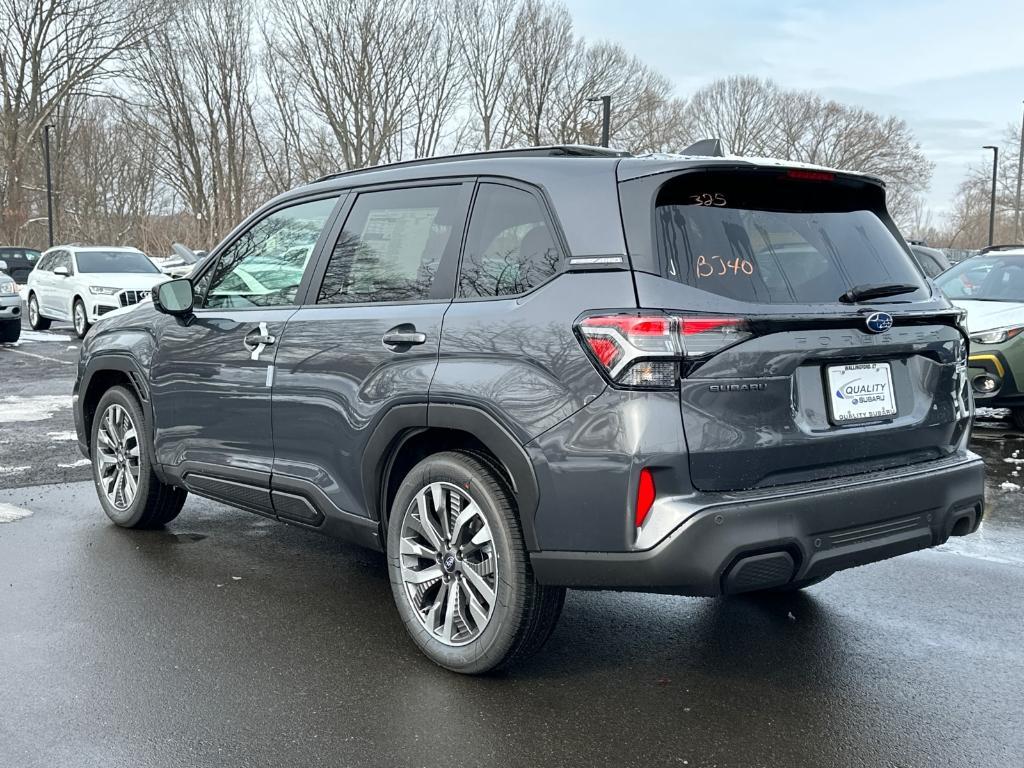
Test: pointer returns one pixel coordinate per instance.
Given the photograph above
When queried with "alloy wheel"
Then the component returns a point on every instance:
(448, 565)
(33, 311)
(79, 319)
(117, 456)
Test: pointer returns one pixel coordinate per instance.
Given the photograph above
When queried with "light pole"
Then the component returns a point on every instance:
(992, 203)
(606, 118)
(1020, 173)
(49, 182)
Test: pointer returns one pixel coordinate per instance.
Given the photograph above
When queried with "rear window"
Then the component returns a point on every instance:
(772, 239)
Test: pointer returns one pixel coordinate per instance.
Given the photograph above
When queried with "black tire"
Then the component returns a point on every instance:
(10, 331)
(80, 319)
(524, 613)
(1017, 417)
(35, 320)
(154, 504)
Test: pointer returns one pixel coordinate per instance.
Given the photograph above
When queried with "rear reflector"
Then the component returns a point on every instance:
(644, 496)
(643, 351)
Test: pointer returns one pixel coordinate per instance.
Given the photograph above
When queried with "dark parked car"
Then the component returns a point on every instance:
(20, 261)
(990, 287)
(932, 261)
(523, 371)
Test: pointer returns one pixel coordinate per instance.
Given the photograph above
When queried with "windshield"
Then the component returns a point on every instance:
(996, 278)
(9, 254)
(773, 242)
(114, 261)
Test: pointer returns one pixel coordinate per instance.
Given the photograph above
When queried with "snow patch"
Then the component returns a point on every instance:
(1008, 486)
(79, 463)
(62, 435)
(13, 470)
(32, 408)
(9, 513)
(29, 335)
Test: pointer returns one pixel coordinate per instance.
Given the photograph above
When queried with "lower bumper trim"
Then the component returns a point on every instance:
(830, 530)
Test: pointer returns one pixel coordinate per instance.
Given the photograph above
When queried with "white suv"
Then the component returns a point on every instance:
(83, 283)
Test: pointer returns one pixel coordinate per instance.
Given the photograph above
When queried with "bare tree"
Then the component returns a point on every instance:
(438, 82)
(755, 117)
(354, 61)
(108, 189)
(225, 102)
(545, 41)
(967, 226)
(51, 50)
(196, 81)
(487, 37)
(645, 115)
(742, 111)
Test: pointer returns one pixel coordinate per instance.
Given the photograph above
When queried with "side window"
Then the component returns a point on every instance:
(264, 266)
(392, 244)
(510, 248)
(43, 265)
(62, 259)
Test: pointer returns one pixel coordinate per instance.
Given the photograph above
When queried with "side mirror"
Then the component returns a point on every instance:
(174, 297)
(62, 272)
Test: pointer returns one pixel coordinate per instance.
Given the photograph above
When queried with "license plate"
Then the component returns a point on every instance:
(861, 391)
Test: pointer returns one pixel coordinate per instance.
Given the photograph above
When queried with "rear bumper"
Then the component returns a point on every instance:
(755, 541)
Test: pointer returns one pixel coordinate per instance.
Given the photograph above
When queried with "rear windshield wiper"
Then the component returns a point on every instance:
(868, 292)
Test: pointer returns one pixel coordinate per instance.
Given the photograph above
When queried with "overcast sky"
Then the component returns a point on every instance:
(953, 70)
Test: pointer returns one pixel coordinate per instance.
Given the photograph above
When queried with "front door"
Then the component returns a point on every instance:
(366, 341)
(212, 373)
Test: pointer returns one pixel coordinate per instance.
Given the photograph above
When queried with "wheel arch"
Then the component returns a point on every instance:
(103, 372)
(402, 439)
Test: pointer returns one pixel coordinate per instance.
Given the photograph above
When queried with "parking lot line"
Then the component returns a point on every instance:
(38, 357)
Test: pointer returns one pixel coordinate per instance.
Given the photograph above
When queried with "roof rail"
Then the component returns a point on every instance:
(554, 150)
(1004, 247)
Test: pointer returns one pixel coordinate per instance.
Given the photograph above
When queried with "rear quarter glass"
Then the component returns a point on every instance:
(767, 238)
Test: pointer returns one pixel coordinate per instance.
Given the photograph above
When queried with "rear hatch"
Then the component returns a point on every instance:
(831, 356)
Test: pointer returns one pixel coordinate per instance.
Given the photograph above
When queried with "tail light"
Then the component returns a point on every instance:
(645, 350)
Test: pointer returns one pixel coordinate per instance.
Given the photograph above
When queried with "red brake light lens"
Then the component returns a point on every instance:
(645, 493)
(644, 350)
(796, 173)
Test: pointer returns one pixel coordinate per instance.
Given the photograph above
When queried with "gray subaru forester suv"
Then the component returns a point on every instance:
(521, 371)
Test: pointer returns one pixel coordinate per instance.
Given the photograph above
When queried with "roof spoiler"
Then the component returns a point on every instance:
(705, 148)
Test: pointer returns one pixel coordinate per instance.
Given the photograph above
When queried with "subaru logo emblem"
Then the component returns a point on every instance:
(879, 322)
(448, 562)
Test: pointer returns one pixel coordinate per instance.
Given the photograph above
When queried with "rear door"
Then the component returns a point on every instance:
(57, 295)
(41, 277)
(365, 341)
(820, 373)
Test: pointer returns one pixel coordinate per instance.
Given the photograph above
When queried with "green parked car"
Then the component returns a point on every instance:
(990, 286)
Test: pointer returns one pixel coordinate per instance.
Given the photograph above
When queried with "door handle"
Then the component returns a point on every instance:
(257, 340)
(403, 338)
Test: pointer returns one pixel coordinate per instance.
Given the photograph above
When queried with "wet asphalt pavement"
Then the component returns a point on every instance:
(231, 640)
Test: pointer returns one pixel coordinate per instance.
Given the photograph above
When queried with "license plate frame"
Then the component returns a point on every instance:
(860, 392)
